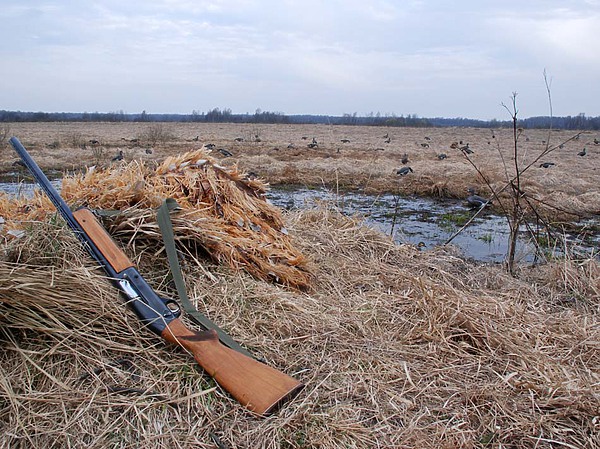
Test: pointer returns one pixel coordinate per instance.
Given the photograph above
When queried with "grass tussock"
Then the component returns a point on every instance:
(398, 348)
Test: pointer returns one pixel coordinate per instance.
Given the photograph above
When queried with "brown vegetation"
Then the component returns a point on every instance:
(399, 348)
(280, 154)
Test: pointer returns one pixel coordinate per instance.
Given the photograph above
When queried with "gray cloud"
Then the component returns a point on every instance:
(430, 58)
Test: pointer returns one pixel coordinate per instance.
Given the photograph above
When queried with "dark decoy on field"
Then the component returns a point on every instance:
(475, 201)
(196, 139)
(312, 145)
(547, 164)
(19, 163)
(209, 146)
(596, 142)
(404, 159)
(239, 139)
(118, 157)
(442, 156)
(404, 171)
(345, 141)
(149, 151)
(466, 149)
(224, 152)
(582, 152)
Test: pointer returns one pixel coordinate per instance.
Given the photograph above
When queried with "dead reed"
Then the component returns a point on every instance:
(399, 348)
(224, 214)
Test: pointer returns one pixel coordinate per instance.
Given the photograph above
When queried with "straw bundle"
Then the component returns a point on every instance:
(224, 214)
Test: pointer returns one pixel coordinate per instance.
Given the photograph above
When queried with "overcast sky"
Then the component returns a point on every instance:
(430, 58)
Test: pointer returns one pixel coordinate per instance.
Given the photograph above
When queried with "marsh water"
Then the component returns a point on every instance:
(420, 221)
(429, 222)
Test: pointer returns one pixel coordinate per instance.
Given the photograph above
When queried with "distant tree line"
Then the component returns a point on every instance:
(216, 115)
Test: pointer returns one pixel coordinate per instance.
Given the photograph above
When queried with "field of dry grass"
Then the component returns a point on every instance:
(279, 154)
(398, 348)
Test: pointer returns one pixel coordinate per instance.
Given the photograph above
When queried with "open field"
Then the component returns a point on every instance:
(397, 347)
(279, 154)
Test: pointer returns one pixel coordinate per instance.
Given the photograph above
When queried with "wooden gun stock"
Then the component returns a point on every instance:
(258, 387)
(253, 384)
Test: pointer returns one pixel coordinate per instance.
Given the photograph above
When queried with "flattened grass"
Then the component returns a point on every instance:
(398, 348)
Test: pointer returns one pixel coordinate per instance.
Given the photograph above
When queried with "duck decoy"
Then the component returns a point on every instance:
(466, 149)
(547, 164)
(404, 159)
(442, 156)
(118, 157)
(225, 152)
(475, 201)
(404, 171)
(582, 152)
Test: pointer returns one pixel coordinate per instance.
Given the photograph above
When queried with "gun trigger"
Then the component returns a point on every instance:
(172, 305)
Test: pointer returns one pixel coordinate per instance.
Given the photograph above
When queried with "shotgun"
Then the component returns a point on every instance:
(257, 386)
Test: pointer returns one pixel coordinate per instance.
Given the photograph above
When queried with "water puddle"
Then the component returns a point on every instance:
(417, 221)
(426, 221)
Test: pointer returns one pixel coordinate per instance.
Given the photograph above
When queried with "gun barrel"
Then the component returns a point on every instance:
(61, 206)
(44, 183)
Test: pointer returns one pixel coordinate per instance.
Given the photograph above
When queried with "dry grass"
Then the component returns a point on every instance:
(367, 162)
(223, 213)
(399, 348)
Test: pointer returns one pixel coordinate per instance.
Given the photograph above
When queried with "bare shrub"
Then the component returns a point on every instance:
(76, 140)
(4, 133)
(156, 133)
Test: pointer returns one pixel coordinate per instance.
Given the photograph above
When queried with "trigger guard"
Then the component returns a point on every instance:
(172, 305)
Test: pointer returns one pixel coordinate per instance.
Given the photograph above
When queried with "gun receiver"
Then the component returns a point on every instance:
(259, 387)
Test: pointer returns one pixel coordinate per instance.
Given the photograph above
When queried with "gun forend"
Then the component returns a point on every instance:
(256, 386)
(114, 255)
